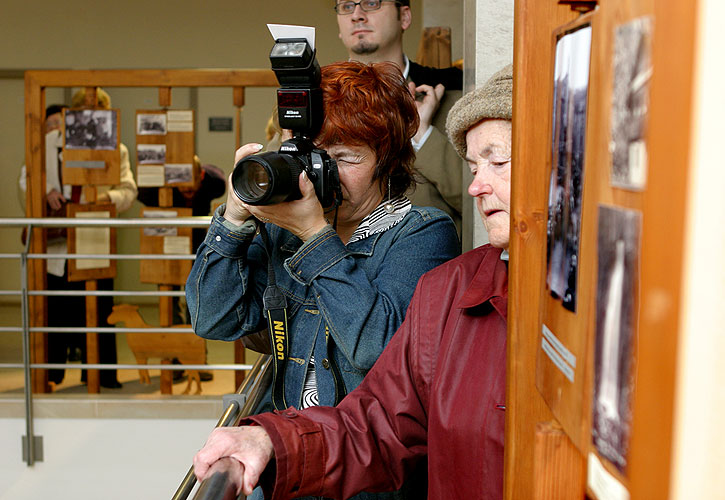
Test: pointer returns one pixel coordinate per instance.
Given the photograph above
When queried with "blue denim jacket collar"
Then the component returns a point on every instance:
(366, 246)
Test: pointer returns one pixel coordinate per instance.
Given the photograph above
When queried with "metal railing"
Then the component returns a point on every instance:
(25, 329)
(224, 478)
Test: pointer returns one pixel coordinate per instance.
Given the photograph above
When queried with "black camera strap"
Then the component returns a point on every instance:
(275, 308)
(340, 390)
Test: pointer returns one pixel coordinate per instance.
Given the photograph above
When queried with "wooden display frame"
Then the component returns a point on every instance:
(79, 273)
(178, 142)
(110, 174)
(564, 336)
(164, 272)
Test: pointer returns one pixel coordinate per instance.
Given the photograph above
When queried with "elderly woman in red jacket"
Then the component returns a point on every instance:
(437, 391)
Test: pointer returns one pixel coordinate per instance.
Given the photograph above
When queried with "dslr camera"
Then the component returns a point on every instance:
(272, 177)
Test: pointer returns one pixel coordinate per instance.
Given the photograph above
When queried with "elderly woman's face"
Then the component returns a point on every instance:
(360, 195)
(488, 156)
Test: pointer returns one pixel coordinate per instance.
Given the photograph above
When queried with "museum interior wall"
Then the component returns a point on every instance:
(81, 35)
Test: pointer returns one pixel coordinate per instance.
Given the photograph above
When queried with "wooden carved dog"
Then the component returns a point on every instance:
(187, 347)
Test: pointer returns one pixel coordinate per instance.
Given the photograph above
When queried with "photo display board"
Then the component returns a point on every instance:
(585, 366)
(165, 148)
(165, 240)
(561, 365)
(91, 146)
(91, 240)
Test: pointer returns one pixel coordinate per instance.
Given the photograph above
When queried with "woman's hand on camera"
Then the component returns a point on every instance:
(236, 211)
(304, 217)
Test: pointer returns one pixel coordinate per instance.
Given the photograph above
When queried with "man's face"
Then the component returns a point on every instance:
(367, 32)
(489, 158)
(53, 122)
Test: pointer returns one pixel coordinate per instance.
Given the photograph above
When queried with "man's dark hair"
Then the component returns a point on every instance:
(53, 109)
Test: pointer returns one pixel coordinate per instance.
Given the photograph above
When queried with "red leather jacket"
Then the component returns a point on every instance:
(438, 390)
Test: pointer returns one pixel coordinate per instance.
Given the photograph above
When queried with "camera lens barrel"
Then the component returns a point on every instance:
(267, 178)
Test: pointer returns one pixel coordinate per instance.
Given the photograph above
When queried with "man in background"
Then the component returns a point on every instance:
(69, 311)
(372, 31)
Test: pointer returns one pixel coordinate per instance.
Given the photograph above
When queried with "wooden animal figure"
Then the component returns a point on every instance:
(187, 347)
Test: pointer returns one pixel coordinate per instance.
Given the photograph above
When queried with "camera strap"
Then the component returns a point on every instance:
(340, 390)
(275, 308)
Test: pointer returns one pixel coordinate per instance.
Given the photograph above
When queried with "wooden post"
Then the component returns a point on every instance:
(434, 48)
(165, 97)
(92, 376)
(238, 96)
(35, 207)
(239, 350)
(166, 379)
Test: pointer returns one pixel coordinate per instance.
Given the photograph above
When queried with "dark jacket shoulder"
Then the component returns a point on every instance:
(451, 78)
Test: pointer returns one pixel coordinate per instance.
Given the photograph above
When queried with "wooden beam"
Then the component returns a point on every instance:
(155, 78)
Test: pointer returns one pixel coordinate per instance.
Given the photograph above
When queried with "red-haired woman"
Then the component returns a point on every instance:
(346, 287)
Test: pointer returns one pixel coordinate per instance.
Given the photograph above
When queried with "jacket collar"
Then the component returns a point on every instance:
(365, 246)
(490, 283)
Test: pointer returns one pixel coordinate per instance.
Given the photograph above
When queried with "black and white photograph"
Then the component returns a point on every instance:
(632, 72)
(159, 231)
(617, 297)
(569, 118)
(178, 173)
(151, 124)
(151, 154)
(95, 129)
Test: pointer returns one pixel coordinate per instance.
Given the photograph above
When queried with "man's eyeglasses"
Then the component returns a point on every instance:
(346, 8)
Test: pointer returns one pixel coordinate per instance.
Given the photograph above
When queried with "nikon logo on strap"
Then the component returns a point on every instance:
(279, 333)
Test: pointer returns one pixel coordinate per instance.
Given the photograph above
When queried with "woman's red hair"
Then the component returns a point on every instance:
(370, 105)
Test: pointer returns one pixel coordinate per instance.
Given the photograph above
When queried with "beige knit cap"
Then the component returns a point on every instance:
(493, 100)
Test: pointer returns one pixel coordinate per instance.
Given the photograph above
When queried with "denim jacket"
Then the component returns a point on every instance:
(360, 292)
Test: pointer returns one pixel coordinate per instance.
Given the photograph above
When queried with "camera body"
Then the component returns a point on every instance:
(272, 177)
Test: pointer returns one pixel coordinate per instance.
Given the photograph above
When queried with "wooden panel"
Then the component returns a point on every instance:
(568, 399)
(178, 145)
(664, 204)
(108, 176)
(74, 272)
(164, 272)
(558, 469)
(533, 26)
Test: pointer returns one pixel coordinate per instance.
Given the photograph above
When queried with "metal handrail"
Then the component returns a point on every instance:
(251, 391)
(192, 221)
(32, 223)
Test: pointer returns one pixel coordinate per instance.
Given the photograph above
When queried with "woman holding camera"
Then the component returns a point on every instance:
(346, 277)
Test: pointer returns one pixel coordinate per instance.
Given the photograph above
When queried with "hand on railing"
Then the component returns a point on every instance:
(222, 481)
(250, 446)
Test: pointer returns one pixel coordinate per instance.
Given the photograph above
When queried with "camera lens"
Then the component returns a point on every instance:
(257, 180)
(266, 178)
